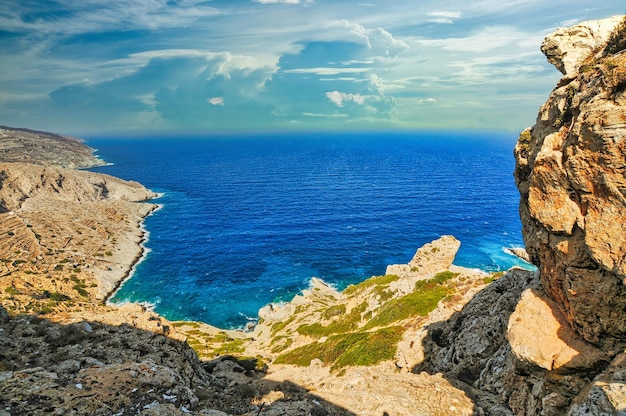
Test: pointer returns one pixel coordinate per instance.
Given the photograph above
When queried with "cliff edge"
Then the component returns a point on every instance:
(571, 173)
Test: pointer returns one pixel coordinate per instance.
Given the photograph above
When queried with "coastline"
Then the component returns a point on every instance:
(137, 258)
(519, 252)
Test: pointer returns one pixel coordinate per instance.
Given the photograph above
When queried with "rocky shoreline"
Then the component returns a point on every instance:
(128, 273)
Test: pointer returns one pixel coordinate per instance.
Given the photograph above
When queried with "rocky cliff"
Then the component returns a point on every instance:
(553, 343)
(571, 173)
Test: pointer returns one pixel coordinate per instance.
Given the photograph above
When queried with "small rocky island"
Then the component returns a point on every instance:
(427, 338)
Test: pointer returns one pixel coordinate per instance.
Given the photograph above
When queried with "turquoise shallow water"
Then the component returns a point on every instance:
(249, 219)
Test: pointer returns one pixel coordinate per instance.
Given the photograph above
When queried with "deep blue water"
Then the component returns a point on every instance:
(249, 219)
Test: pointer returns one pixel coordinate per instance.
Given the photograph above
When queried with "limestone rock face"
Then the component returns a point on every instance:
(606, 395)
(537, 318)
(429, 259)
(571, 174)
(567, 48)
(93, 368)
(552, 342)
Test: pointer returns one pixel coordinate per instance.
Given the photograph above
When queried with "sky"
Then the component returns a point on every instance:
(131, 66)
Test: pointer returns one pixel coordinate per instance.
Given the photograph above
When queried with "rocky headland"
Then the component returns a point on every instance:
(426, 338)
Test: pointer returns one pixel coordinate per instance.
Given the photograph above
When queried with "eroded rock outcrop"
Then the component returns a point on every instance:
(571, 173)
(433, 257)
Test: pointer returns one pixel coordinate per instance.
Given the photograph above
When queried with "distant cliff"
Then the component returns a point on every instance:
(31, 146)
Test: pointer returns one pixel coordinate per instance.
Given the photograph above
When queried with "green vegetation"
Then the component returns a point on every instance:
(229, 346)
(524, 140)
(492, 277)
(611, 64)
(427, 295)
(344, 324)
(442, 277)
(282, 343)
(79, 286)
(58, 297)
(47, 308)
(372, 281)
(279, 326)
(350, 343)
(80, 290)
(417, 303)
(11, 290)
(180, 324)
(334, 311)
(360, 349)
(617, 41)
(385, 295)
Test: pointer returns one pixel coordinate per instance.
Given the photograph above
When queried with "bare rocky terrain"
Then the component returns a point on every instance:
(30, 146)
(426, 338)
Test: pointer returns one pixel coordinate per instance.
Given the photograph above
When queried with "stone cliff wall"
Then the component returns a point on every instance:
(553, 343)
(571, 174)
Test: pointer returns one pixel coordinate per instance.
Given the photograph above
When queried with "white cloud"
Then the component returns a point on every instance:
(333, 115)
(178, 58)
(378, 40)
(570, 22)
(339, 98)
(107, 15)
(282, 1)
(444, 16)
(377, 84)
(485, 40)
(326, 71)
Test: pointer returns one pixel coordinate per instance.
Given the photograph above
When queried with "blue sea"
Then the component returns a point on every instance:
(248, 219)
